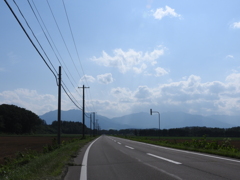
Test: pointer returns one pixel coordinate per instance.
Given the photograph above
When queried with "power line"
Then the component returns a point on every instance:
(52, 42)
(71, 99)
(34, 35)
(69, 91)
(30, 38)
(64, 86)
(53, 50)
(35, 45)
(75, 44)
(72, 36)
(62, 37)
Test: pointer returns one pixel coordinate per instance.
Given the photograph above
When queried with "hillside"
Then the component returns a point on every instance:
(76, 116)
(18, 120)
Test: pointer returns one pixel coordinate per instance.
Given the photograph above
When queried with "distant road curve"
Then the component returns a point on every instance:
(116, 158)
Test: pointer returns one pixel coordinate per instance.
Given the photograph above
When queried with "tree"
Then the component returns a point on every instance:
(17, 120)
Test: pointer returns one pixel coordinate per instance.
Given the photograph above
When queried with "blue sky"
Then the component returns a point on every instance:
(134, 55)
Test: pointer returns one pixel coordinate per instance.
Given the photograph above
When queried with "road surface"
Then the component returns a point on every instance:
(120, 159)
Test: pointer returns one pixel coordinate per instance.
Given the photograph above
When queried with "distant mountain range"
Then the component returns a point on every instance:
(144, 120)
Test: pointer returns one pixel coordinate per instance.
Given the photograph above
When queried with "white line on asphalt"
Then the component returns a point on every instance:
(83, 173)
(165, 159)
(129, 147)
(119, 143)
(185, 151)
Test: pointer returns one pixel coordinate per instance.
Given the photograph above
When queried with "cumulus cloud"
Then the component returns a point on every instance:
(160, 71)
(189, 95)
(141, 69)
(236, 25)
(142, 92)
(29, 99)
(87, 78)
(161, 12)
(121, 92)
(105, 78)
(129, 60)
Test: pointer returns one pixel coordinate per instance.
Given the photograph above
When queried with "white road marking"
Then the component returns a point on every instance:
(163, 171)
(165, 159)
(119, 143)
(185, 151)
(129, 147)
(83, 173)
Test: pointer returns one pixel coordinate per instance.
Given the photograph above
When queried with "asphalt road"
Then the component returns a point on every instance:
(120, 159)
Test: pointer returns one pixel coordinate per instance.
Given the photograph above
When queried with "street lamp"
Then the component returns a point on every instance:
(151, 112)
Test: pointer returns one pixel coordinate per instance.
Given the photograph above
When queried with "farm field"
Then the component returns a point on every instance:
(235, 142)
(10, 145)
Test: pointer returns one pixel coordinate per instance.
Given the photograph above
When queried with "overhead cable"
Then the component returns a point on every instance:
(30, 39)
(50, 42)
(62, 38)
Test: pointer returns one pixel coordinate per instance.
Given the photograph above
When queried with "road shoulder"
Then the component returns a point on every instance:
(73, 172)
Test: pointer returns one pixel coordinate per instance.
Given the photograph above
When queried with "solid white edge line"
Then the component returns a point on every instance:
(165, 159)
(185, 151)
(83, 173)
(129, 147)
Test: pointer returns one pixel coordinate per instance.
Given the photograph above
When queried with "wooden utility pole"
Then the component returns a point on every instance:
(90, 132)
(59, 106)
(83, 112)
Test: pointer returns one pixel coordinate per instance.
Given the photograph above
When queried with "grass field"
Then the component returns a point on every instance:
(38, 157)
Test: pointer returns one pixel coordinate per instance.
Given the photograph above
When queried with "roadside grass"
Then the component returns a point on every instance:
(42, 135)
(51, 164)
(204, 145)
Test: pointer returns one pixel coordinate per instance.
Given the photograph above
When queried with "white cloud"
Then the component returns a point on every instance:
(29, 99)
(230, 56)
(189, 95)
(160, 13)
(141, 69)
(87, 78)
(236, 25)
(142, 92)
(121, 92)
(105, 78)
(160, 71)
(129, 60)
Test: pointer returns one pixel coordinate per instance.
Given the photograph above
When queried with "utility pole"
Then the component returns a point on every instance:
(93, 123)
(90, 124)
(97, 126)
(83, 111)
(59, 105)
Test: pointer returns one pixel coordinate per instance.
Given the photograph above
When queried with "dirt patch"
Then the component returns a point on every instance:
(10, 145)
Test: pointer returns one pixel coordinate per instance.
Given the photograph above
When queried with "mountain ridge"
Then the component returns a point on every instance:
(144, 120)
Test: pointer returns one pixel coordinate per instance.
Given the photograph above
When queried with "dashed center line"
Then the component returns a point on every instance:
(119, 143)
(129, 147)
(165, 159)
